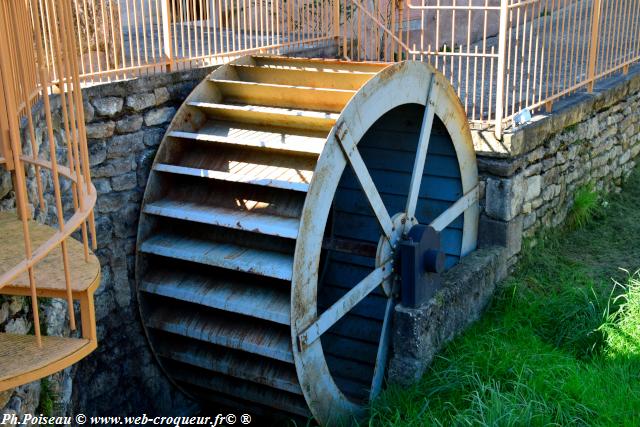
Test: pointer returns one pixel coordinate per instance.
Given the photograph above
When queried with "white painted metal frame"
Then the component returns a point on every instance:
(404, 83)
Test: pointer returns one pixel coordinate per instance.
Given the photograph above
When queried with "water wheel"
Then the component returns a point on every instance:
(271, 222)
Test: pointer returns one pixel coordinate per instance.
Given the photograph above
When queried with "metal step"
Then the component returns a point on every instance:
(232, 177)
(283, 96)
(225, 255)
(328, 79)
(238, 219)
(233, 332)
(255, 137)
(261, 115)
(228, 362)
(249, 298)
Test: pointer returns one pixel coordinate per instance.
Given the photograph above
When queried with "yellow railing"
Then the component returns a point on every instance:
(501, 55)
(25, 80)
(118, 39)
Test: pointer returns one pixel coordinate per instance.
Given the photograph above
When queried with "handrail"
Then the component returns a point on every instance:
(501, 58)
(30, 58)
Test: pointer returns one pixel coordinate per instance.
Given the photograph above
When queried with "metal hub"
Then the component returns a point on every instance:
(388, 248)
(421, 262)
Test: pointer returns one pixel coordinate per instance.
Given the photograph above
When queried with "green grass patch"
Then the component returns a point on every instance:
(560, 344)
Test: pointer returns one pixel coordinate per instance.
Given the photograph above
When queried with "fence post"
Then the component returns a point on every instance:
(165, 8)
(594, 44)
(336, 19)
(502, 63)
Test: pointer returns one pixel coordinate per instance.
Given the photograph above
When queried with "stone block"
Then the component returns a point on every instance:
(113, 167)
(100, 129)
(153, 136)
(504, 197)
(534, 184)
(159, 116)
(141, 101)
(122, 145)
(109, 106)
(162, 95)
(97, 152)
(419, 333)
(499, 167)
(124, 182)
(129, 124)
(492, 232)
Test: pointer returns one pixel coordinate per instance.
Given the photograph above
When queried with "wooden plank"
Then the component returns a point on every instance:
(318, 64)
(371, 307)
(353, 80)
(397, 161)
(249, 298)
(350, 349)
(242, 390)
(346, 302)
(421, 152)
(232, 332)
(225, 255)
(456, 210)
(232, 177)
(265, 116)
(283, 96)
(396, 183)
(22, 361)
(364, 178)
(353, 202)
(229, 362)
(247, 220)
(49, 272)
(255, 137)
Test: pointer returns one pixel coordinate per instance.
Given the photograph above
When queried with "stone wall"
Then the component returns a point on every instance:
(531, 177)
(125, 124)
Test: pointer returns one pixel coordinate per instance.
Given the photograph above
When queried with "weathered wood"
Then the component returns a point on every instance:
(256, 137)
(264, 116)
(328, 79)
(23, 361)
(49, 271)
(225, 255)
(248, 220)
(283, 96)
(233, 332)
(230, 362)
(246, 297)
(232, 177)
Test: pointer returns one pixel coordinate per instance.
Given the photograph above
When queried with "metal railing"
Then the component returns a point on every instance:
(118, 39)
(25, 79)
(502, 56)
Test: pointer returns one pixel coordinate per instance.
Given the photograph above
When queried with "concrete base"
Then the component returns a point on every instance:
(420, 333)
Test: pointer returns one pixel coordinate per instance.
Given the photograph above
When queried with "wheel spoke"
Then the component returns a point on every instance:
(421, 153)
(362, 173)
(334, 313)
(455, 210)
(383, 351)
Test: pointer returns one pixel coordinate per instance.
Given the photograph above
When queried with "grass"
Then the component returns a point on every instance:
(560, 344)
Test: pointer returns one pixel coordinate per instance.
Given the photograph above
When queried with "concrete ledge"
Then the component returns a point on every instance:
(418, 334)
